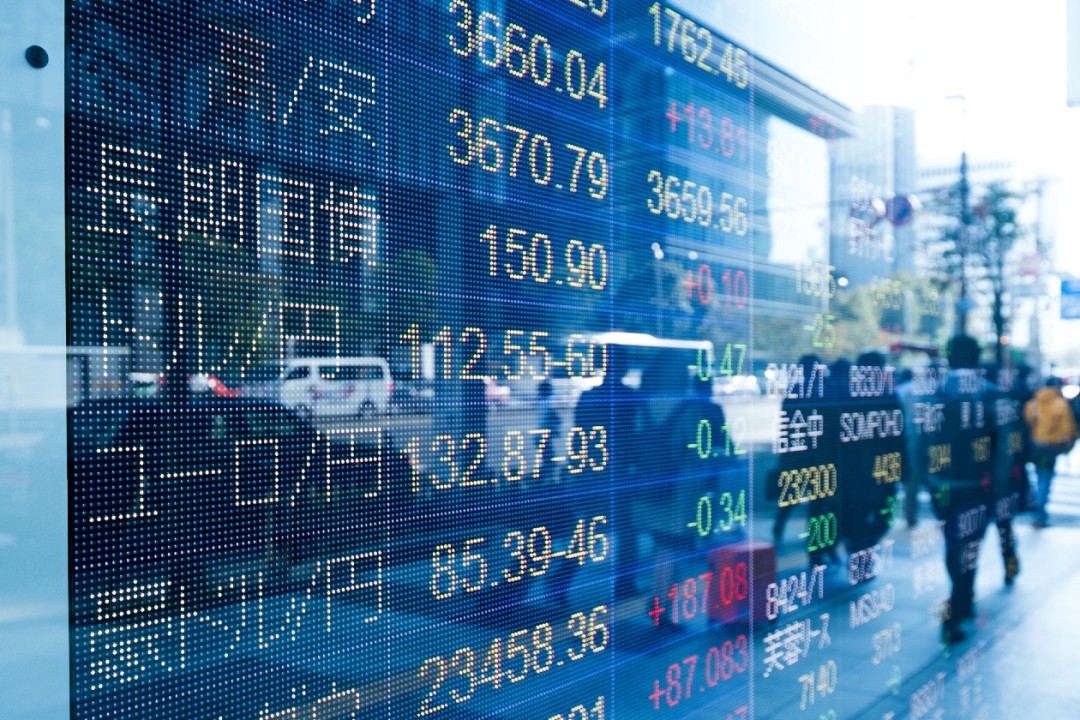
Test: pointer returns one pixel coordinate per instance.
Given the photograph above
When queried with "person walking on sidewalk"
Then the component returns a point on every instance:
(1053, 432)
(1008, 479)
(959, 476)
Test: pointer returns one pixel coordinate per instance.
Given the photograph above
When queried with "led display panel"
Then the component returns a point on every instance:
(489, 359)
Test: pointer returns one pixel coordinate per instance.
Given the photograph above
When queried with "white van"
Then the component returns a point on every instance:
(319, 387)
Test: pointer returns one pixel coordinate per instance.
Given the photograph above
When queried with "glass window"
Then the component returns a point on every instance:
(565, 360)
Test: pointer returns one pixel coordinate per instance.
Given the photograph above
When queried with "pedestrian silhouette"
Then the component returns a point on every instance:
(872, 447)
(959, 475)
(1053, 433)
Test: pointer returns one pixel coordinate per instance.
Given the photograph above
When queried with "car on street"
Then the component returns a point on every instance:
(337, 386)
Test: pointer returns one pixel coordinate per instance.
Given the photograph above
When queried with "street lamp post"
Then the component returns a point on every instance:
(962, 302)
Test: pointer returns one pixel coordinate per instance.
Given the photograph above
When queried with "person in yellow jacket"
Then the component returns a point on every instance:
(1053, 432)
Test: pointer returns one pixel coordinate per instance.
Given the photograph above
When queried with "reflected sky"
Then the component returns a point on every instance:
(1008, 64)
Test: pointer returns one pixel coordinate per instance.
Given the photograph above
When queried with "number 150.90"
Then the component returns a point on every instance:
(520, 255)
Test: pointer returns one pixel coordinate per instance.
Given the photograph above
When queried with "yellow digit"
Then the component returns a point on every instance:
(542, 637)
(599, 433)
(656, 206)
(489, 31)
(580, 632)
(514, 455)
(463, 155)
(519, 67)
(442, 563)
(464, 660)
(518, 552)
(463, 46)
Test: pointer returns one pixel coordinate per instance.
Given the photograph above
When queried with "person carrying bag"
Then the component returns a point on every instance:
(1053, 432)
